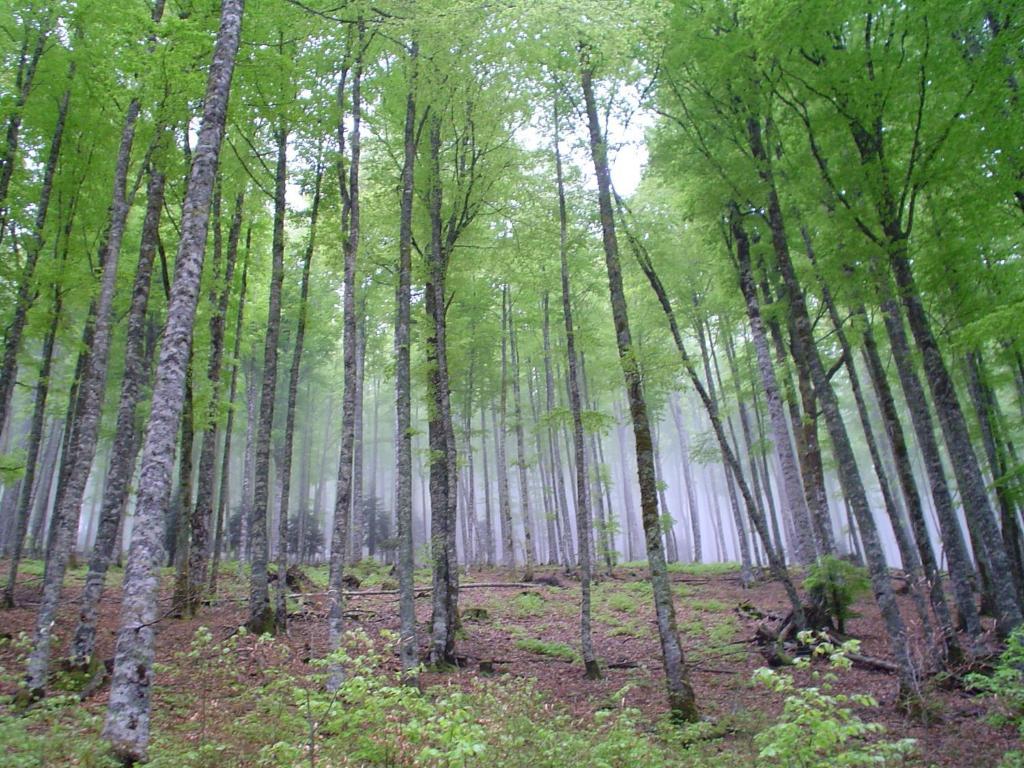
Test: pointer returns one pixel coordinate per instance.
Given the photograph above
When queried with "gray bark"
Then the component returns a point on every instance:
(91, 391)
(127, 722)
(124, 452)
(260, 614)
(681, 698)
(593, 671)
(530, 552)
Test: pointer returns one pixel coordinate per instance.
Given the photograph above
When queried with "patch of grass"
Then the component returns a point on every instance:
(703, 569)
(547, 648)
(708, 605)
(627, 629)
(527, 604)
(619, 601)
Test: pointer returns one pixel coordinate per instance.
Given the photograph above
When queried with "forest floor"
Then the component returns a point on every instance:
(522, 633)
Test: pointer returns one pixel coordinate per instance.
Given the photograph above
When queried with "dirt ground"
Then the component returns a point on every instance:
(531, 632)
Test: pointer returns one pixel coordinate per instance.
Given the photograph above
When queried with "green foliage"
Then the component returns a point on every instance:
(528, 604)
(818, 727)
(835, 585)
(1006, 688)
(703, 569)
(547, 648)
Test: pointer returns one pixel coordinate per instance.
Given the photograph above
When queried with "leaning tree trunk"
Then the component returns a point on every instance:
(849, 476)
(91, 390)
(775, 560)
(904, 539)
(127, 722)
(957, 557)
(137, 365)
(681, 697)
(260, 614)
(976, 503)
(407, 649)
(593, 671)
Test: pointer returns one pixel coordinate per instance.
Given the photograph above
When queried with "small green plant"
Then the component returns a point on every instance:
(818, 727)
(833, 585)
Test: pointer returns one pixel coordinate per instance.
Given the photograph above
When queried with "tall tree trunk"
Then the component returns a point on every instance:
(488, 513)
(138, 362)
(990, 425)
(443, 478)
(91, 391)
(792, 490)
(260, 613)
(530, 553)
(195, 574)
(223, 507)
(681, 697)
(28, 64)
(558, 479)
(508, 552)
(127, 722)
(281, 604)
(408, 649)
(358, 538)
(348, 188)
(593, 671)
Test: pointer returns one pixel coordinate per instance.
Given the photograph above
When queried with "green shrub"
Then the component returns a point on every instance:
(1006, 688)
(834, 585)
(818, 728)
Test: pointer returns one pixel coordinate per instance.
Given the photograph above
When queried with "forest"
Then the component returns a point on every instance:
(511, 383)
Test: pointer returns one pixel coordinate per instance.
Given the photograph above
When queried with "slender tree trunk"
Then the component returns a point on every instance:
(223, 508)
(989, 422)
(508, 553)
(524, 486)
(792, 489)
(127, 722)
(138, 363)
(850, 480)
(260, 613)
(45, 485)
(681, 697)
(593, 671)
(195, 576)
(488, 515)
(348, 187)
(904, 538)
(443, 478)
(281, 607)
